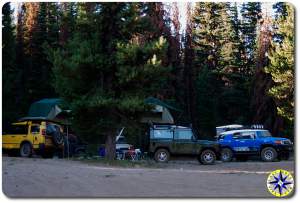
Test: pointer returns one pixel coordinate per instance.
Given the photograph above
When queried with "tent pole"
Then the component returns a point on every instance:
(68, 141)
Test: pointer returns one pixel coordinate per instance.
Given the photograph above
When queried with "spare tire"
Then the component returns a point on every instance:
(57, 136)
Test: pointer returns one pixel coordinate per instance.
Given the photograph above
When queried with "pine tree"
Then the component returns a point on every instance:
(221, 84)
(10, 72)
(281, 65)
(38, 28)
(251, 14)
(233, 12)
(262, 105)
(68, 21)
(232, 100)
(107, 70)
(207, 44)
(189, 69)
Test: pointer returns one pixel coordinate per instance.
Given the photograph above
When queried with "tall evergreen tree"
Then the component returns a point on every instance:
(216, 45)
(107, 73)
(251, 14)
(189, 69)
(281, 65)
(232, 101)
(262, 105)
(38, 28)
(10, 73)
(67, 21)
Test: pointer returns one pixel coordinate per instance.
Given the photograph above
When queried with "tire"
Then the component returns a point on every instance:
(268, 154)
(226, 155)
(207, 157)
(58, 137)
(162, 156)
(26, 150)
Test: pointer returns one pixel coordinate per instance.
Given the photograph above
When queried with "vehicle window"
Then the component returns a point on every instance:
(236, 136)
(35, 129)
(183, 134)
(248, 135)
(264, 133)
(163, 134)
(19, 129)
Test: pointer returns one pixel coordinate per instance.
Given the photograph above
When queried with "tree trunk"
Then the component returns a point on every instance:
(110, 145)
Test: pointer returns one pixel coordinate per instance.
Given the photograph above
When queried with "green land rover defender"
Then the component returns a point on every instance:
(172, 140)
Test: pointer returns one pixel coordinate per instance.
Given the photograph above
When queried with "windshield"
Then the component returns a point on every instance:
(264, 133)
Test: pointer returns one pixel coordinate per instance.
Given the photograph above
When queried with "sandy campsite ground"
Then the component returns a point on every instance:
(36, 177)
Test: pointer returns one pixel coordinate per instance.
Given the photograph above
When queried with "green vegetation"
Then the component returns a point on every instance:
(104, 59)
(282, 64)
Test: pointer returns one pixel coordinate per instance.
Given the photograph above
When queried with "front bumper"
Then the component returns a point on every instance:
(285, 148)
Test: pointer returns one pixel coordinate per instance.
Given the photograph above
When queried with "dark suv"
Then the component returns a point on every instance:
(167, 140)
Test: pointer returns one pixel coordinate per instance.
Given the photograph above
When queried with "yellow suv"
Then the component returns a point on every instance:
(34, 135)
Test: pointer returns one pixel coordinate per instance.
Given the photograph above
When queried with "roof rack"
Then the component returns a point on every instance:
(253, 126)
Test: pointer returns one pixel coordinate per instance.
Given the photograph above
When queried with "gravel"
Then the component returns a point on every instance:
(36, 177)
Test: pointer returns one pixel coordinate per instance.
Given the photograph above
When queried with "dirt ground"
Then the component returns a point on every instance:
(36, 177)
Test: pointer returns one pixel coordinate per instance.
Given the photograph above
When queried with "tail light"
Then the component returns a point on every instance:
(44, 132)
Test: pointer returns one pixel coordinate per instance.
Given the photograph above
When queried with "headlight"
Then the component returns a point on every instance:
(283, 142)
(278, 142)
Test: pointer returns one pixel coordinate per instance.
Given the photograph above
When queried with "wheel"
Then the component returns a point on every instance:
(226, 155)
(26, 150)
(162, 156)
(58, 137)
(268, 154)
(207, 157)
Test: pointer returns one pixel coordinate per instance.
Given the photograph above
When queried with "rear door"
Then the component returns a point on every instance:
(35, 134)
(183, 142)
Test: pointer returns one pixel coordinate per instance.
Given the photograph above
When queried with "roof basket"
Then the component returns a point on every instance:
(254, 126)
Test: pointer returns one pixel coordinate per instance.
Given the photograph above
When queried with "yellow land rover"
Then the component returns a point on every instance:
(33, 135)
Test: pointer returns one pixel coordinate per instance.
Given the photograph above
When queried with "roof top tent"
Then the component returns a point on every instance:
(160, 112)
(49, 109)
